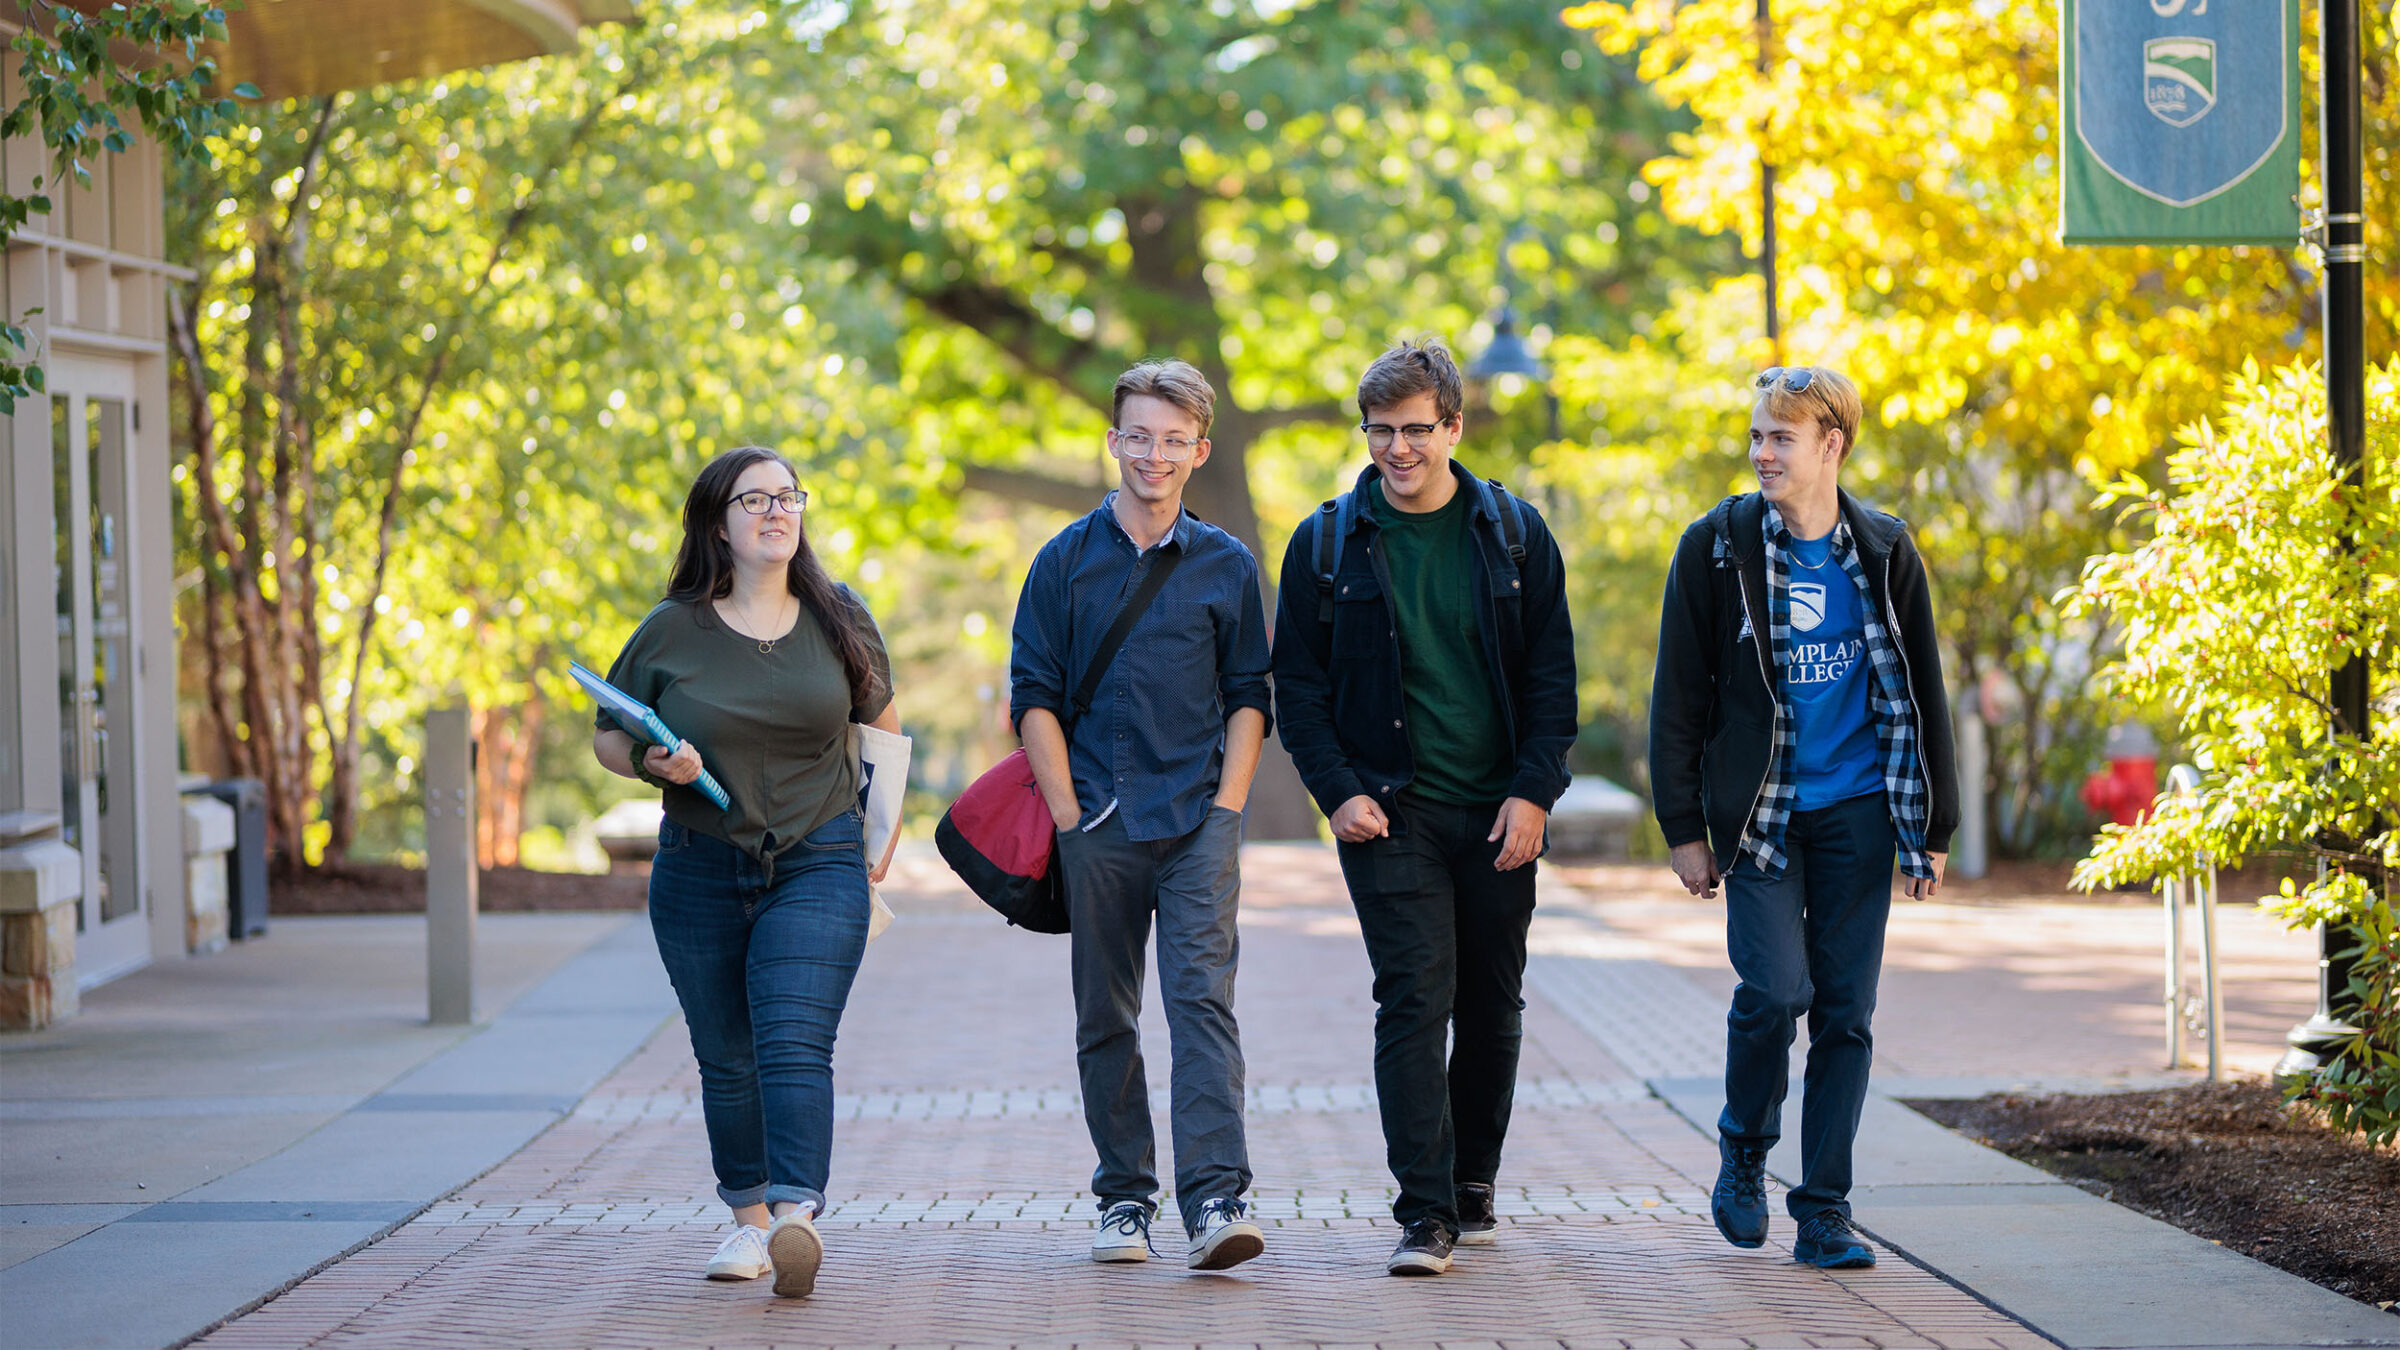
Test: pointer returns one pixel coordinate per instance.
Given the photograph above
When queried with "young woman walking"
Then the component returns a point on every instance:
(760, 661)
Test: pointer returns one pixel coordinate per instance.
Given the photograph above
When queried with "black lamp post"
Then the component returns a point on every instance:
(1506, 353)
(2319, 1039)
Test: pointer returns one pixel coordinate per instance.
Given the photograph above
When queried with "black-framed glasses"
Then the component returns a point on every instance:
(1796, 379)
(1143, 445)
(792, 500)
(1419, 434)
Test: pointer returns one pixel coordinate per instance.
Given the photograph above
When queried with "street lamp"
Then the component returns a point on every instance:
(1506, 353)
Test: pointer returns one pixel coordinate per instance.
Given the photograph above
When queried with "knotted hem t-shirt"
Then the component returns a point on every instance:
(773, 726)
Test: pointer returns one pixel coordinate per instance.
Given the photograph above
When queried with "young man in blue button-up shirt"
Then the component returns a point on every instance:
(1147, 790)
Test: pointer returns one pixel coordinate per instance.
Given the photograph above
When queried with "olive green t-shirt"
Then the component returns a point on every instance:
(772, 726)
(1456, 732)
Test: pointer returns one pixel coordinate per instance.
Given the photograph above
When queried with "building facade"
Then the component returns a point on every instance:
(92, 830)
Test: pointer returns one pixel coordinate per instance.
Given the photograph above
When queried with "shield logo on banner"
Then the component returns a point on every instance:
(2179, 79)
(2180, 108)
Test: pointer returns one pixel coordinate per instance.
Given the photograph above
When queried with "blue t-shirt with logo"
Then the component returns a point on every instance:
(1826, 680)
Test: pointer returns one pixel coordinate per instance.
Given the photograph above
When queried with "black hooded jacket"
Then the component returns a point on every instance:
(1712, 705)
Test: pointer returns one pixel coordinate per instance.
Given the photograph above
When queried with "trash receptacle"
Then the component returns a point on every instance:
(246, 865)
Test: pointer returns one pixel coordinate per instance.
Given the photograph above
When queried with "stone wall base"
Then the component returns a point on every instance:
(37, 968)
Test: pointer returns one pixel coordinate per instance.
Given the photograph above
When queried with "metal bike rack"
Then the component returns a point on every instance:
(2185, 1011)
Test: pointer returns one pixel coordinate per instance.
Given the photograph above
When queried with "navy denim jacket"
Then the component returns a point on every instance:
(1154, 741)
(1337, 685)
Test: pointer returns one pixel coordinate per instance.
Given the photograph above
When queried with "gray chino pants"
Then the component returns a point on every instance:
(1193, 884)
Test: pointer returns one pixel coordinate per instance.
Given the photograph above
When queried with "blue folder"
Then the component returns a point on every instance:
(636, 717)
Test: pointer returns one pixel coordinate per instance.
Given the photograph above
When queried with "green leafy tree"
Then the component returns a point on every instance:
(1269, 190)
(2005, 373)
(1272, 191)
(455, 350)
(74, 87)
(2264, 568)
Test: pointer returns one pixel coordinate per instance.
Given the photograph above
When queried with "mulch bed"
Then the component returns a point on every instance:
(379, 888)
(2224, 1160)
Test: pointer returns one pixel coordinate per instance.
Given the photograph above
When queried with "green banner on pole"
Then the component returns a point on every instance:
(2181, 121)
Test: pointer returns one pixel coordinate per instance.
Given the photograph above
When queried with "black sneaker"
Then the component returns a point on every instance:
(1739, 1202)
(1828, 1242)
(1478, 1226)
(1424, 1249)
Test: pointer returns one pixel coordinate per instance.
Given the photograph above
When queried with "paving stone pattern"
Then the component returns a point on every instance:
(959, 1215)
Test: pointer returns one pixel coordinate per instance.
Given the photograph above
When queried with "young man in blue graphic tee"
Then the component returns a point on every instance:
(1146, 787)
(1799, 740)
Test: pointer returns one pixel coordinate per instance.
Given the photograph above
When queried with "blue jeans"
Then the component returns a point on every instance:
(1809, 943)
(762, 954)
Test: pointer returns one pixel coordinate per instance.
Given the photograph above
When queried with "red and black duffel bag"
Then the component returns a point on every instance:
(998, 836)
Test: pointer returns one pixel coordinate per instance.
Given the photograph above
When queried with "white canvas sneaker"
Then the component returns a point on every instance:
(1225, 1236)
(742, 1256)
(1124, 1233)
(796, 1251)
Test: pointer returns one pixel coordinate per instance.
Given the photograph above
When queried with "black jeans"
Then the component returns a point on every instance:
(1193, 884)
(1809, 942)
(1446, 934)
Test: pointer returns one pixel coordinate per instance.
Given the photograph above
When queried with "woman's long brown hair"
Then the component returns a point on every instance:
(704, 567)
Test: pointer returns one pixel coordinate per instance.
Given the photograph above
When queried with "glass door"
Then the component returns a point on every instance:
(91, 446)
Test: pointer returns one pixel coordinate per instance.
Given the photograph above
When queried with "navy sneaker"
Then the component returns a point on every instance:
(1828, 1242)
(1739, 1202)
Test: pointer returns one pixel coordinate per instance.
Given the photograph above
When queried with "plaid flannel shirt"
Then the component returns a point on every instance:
(1889, 706)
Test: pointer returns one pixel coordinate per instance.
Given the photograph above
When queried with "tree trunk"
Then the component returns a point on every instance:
(507, 742)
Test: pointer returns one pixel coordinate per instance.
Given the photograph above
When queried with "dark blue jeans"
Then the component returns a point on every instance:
(1809, 943)
(1446, 935)
(762, 955)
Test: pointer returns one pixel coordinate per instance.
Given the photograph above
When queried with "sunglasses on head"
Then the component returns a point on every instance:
(1796, 379)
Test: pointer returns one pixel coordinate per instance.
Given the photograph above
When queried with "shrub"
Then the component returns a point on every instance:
(2233, 610)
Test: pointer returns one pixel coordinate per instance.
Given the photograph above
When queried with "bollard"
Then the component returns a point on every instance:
(450, 876)
(1970, 852)
(2205, 1013)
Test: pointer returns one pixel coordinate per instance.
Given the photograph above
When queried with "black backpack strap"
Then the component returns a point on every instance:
(1333, 521)
(1127, 617)
(1512, 523)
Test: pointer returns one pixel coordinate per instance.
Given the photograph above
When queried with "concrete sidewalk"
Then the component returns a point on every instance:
(209, 1131)
(961, 1213)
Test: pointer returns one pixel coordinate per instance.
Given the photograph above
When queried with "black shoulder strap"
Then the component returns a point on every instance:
(1329, 550)
(1512, 525)
(1126, 618)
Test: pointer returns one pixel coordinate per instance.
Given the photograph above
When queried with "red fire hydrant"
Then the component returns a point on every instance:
(2124, 790)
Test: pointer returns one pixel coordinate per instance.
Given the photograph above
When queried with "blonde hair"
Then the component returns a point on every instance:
(1830, 401)
(1178, 382)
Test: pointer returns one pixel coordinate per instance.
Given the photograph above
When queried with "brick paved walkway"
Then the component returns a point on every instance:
(959, 1215)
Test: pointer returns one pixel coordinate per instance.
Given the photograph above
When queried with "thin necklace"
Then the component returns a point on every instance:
(764, 644)
(1793, 554)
